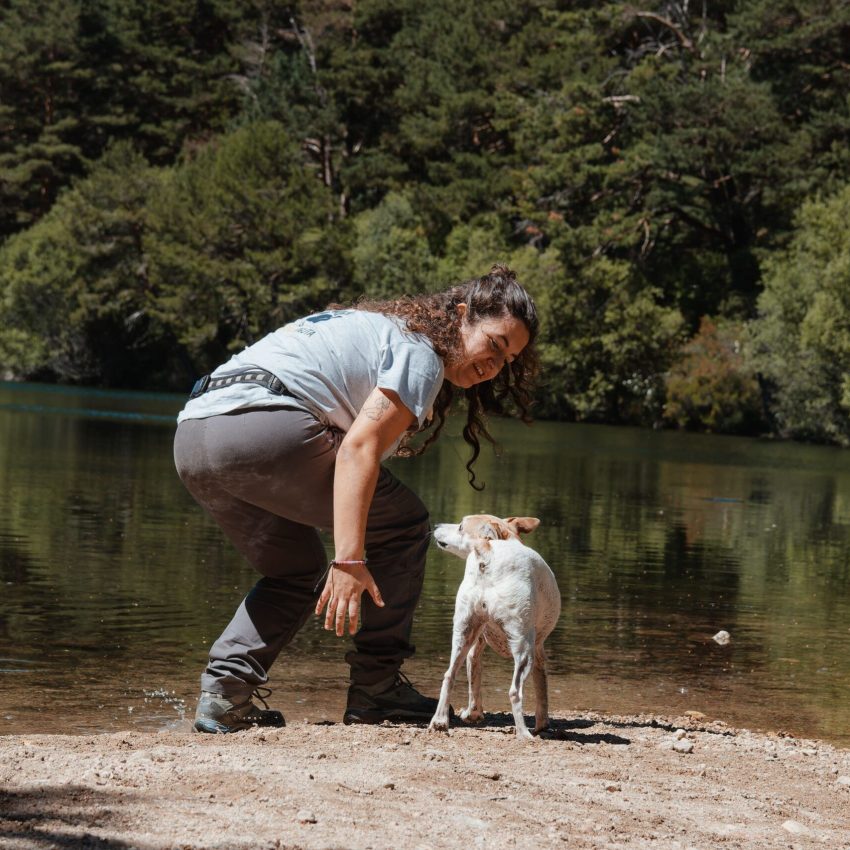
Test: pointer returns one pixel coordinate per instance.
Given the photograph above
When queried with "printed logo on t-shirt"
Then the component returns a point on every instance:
(302, 326)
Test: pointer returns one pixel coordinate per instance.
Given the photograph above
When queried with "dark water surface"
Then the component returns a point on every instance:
(113, 583)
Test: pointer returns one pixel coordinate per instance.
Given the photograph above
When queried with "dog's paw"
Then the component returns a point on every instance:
(468, 715)
(439, 725)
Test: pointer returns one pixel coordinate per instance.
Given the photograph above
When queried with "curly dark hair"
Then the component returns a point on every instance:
(435, 315)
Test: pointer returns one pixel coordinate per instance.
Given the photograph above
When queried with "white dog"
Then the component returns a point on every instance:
(508, 598)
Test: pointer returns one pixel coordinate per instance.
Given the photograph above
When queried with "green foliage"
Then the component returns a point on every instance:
(639, 167)
(606, 340)
(799, 47)
(76, 75)
(75, 295)
(455, 62)
(713, 386)
(803, 332)
(329, 81)
(391, 255)
(169, 66)
(472, 248)
(41, 73)
(240, 242)
(660, 147)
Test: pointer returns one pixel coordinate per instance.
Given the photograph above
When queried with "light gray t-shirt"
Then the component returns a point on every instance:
(330, 362)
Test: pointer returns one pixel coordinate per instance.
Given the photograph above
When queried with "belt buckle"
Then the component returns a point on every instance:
(200, 386)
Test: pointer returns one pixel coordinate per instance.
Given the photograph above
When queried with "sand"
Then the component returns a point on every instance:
(593, 781)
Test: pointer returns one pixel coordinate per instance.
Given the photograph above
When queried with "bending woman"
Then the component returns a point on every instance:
(289, 435)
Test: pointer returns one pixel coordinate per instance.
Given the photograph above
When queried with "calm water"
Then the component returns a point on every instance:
(113, 582)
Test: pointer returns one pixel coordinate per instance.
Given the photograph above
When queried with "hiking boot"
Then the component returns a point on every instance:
(399, 701)
(216, 713)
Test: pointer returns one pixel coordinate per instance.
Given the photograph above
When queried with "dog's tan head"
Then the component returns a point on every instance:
(473, 532)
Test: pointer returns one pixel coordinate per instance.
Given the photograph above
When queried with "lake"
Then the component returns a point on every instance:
(113, 582)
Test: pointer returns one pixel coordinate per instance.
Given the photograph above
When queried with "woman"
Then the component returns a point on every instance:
(289, 436)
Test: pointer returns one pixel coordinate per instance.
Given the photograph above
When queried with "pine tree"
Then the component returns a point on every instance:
(41, 75)
(799, 49)
(240, 243)
(75, 303)
(168, 65)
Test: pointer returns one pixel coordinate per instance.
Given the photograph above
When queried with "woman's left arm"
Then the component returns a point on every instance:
(381, 421)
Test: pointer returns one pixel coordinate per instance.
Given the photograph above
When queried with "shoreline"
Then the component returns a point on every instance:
(592, 781)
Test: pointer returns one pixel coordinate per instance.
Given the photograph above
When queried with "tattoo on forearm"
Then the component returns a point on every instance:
(375, 409)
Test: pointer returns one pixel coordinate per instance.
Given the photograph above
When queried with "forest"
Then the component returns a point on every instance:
(670, 180)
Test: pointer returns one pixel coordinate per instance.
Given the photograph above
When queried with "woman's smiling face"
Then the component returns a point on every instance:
(486, 345)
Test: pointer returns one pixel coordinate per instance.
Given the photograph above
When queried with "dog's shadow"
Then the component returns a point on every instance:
(559, 729)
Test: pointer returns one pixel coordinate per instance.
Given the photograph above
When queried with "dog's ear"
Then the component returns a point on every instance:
(522, 524)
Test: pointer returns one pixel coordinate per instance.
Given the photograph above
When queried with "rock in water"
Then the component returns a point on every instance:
(722, 637)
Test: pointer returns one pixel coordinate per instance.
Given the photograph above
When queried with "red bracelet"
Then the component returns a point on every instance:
(333, 564)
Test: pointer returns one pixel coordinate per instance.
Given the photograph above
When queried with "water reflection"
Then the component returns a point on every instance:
(114, 582)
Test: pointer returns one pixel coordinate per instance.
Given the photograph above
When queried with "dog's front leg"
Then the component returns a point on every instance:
(474, 712)
(541, 689)
(463, 637)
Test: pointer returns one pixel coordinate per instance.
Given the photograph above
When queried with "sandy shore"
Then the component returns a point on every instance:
(592, 782)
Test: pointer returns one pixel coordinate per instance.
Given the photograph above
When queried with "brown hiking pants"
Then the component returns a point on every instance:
(266, 477)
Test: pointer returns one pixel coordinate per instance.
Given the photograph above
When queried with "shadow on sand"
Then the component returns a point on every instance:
(58, 817)
(559, 729)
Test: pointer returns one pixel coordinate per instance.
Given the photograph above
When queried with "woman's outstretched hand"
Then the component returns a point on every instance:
(343, 588)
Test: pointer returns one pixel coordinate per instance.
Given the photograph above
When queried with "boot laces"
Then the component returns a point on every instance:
(262, 694)
(401, 679)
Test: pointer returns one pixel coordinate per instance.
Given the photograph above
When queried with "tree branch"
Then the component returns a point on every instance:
(684, 41)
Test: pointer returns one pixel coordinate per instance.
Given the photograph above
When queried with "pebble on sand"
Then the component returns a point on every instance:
(795, 828)
(305, 816)
(696, 715)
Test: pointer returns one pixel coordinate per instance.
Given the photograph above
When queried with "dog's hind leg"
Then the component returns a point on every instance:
(463, 638)
(523, 652)
(474, 712)
(541, 689)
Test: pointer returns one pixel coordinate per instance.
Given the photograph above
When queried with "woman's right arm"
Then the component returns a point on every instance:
(380, 422)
